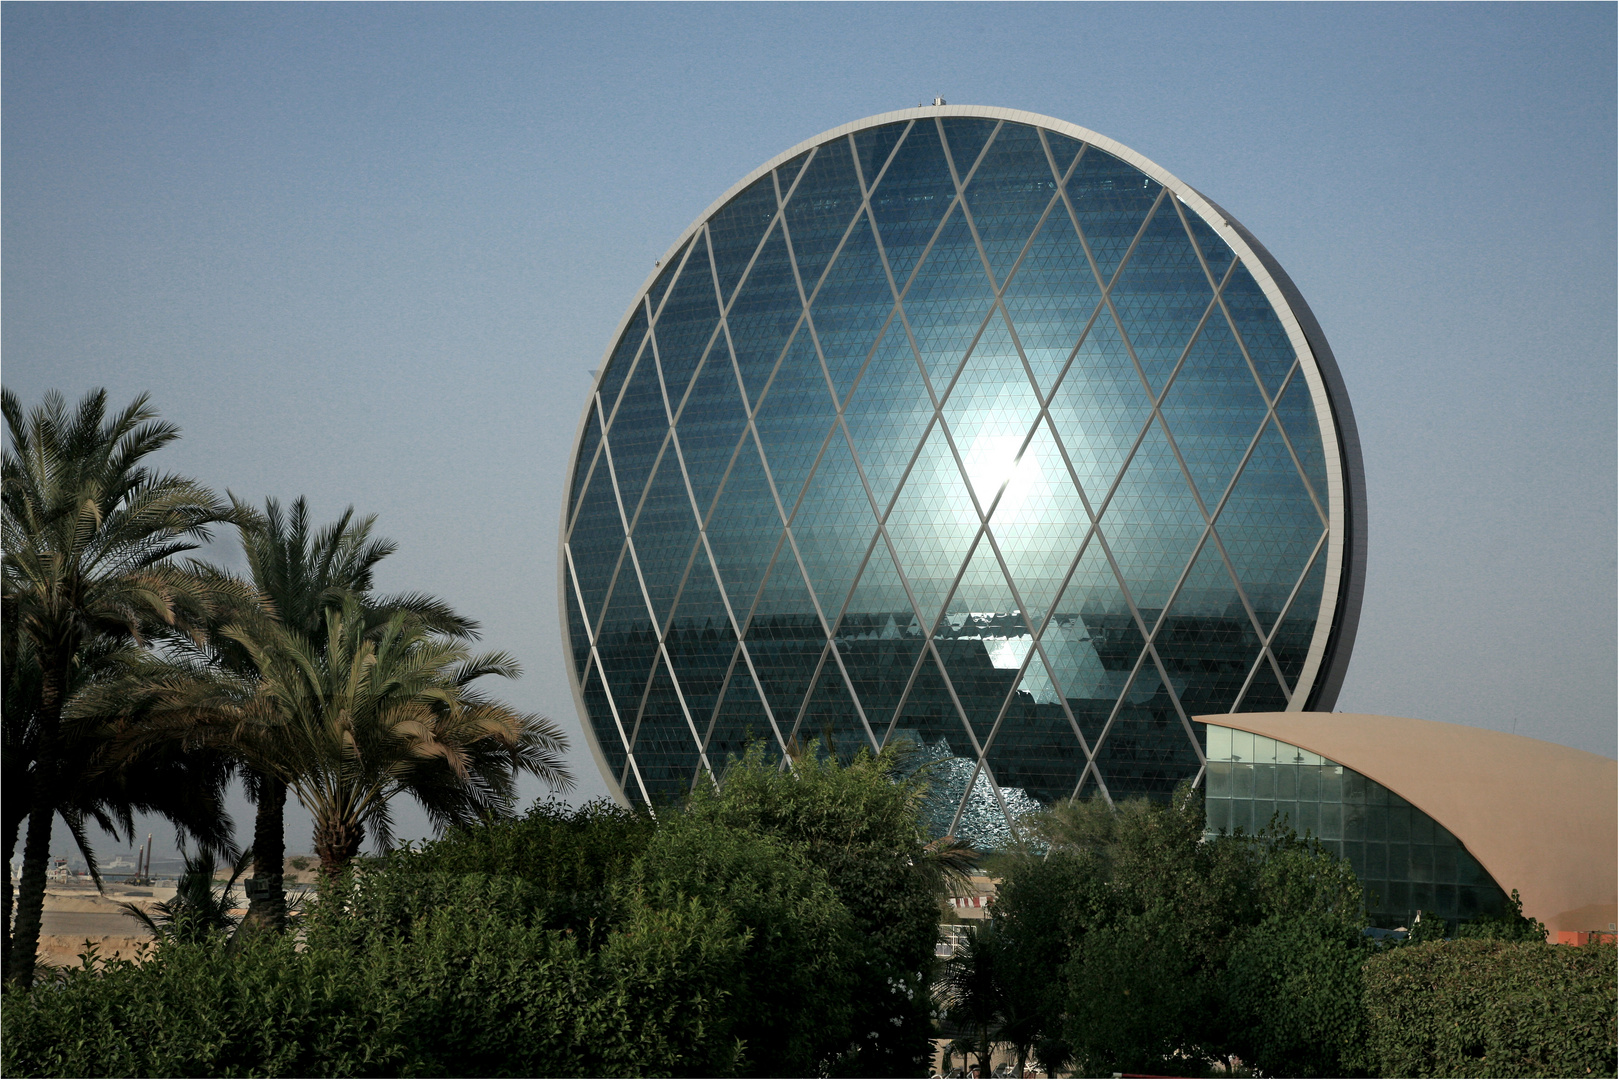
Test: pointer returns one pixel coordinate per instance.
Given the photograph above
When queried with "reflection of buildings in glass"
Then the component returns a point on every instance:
(972, 425)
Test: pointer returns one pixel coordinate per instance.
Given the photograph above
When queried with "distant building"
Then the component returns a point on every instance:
(966, 426)
(1435, 817)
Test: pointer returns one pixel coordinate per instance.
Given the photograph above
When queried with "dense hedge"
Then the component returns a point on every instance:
(1492, 1008)
(472, 989)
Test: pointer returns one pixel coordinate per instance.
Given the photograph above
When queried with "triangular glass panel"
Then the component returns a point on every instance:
(1152, 524)
(1039, 523)
(1261, 331)
(1147, 751)
(879, 650)
(687, 324)
(1092, 641)
(1162, 295)
(740, 722)
(1216, 252)
(787, 172)
(626, 643)
(795, 418)
(663, 747)
(638, 433)
(700, 641)
(888, 413)
(990, 411)
(743, 529)
(736, 228)
(671, 267)
(1264, 694)
(665, 536)
(1268, 526)
(710, 424)
(984, 640)
(1052, 296)
(1009, 193)
(578, 633)
(1291, 642)
(1111, 200)
(911, 199)
(586, 459)
(1035, 754)
(763, 315)
(1063, 150)
(1214, 410)
(1206, 640)
(819, 212)
(601, 722)
(948, 300)
(966, 136)
(1296, 410)
(874, 145)
(833, 525)
(1100, 409)
(832, 721)
(928, 718)
(630, 344)
(596, 547)
(933, 526)
(785, 640)
(851, 307)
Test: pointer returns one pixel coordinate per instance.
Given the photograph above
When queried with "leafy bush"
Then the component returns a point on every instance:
(1492, 1008)
(468, 989)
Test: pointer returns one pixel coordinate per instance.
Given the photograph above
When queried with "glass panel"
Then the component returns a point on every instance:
(1259, 328)
(888, 413)
(795, 419)
(833, 530)
(687, 323)
(821, 208)
(1161, 296)
(1099, 409)
(1297, 413)
(665, 536)
(912, 199)
(933, 525)
(874, 144)
(710, 425)
(1269, 527)
(1040, 521)
(1009, 194)
(764, 315)
(1218, 742)
(948, 301)
(737, 227)
(1214, 410)
(851, 307)
(1152, 524)
(1052, 297)
(744, 529)
(1216, 252)
(1111, 200)
(966, 136)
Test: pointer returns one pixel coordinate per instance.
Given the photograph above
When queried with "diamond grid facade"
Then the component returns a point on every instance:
(961, 430)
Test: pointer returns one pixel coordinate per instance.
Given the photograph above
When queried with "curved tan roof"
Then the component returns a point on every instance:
(1540, 817)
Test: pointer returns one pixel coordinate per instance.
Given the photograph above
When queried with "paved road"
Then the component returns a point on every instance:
(91, 924)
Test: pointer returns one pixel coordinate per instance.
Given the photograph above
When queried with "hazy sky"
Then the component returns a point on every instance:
(369, 254)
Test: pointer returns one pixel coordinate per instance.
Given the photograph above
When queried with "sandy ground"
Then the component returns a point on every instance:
(75, 913)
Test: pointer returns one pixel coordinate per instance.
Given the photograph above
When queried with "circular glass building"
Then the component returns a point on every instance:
(969, 427)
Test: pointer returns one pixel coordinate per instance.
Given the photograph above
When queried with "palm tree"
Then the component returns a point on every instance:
(972, 990)
(198, 908)
(347, 724)
(90, 536)
(298, 573)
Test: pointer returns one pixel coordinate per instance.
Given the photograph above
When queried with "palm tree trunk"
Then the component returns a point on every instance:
(267, 906)
(13, 829)
(337, 842)
(36, 857)
(36, 850)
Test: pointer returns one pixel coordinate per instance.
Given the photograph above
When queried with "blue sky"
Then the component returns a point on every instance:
(369, 254)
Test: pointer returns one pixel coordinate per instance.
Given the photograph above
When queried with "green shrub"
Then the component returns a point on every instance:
(471, 988)
(1492, 1008)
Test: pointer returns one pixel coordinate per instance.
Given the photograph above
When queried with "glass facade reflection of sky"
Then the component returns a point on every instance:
(1405, 860)
(952, 429)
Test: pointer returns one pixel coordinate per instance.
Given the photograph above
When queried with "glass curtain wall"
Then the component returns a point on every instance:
(955, 430)
(1405, 860)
